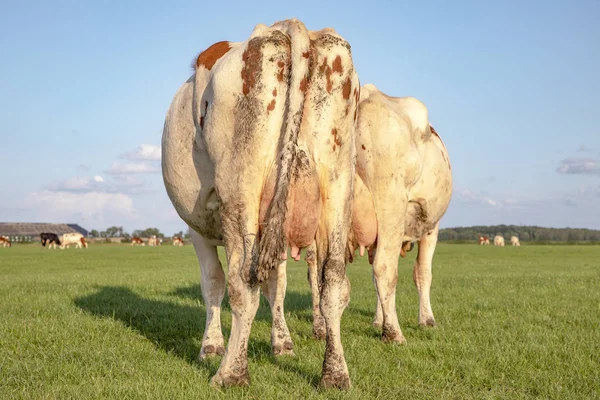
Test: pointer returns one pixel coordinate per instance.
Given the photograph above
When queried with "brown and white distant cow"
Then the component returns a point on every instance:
(177, 241)
(484, 240)
(258, 154)
(499, 241)
(75, 238)
(514, 241)
(153, 241)
(5, 241)
(137, 241)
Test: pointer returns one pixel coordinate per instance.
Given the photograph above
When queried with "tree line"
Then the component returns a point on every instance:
(118, 232)
(524, 233)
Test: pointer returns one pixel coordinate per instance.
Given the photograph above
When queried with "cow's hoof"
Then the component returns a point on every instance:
(391, 335)
(286, 350)
(230, 379)
(335, 381)
(319, 331)
(210, 350)
(428, 322)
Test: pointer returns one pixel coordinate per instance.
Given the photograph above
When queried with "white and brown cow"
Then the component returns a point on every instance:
(499, 240)
(484, 240)
(258, 155)
(153, 241)
(403, 188)
(177, 241)
(75, 238)
(137, 241)
(5, 241)
(514, 241)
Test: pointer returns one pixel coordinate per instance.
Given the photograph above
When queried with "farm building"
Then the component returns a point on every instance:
(28, 231)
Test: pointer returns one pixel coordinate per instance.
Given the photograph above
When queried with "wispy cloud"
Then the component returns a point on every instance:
(124, 183)
(583, 148)
(119, 168)
(144, 152)
(584, 166)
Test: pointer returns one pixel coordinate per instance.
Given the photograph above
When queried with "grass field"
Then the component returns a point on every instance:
(126, 323)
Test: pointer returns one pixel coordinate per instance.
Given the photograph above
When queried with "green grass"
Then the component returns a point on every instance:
(126, 323)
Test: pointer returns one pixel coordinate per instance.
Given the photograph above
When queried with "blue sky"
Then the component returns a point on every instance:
(512, 87)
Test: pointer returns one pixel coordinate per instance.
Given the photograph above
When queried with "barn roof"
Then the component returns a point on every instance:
(35, 228)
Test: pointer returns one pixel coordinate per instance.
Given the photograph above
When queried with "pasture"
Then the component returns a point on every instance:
(126, 322)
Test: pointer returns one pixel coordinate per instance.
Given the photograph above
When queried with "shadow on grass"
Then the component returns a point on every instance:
(174, 328)
(171, 327)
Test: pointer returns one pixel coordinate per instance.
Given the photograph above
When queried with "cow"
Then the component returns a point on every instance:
(75, 238)
(136, 240)
(51, 239)
(177, 241)
(5, 241)
(258, 156)
(153, 241)
(403, 187)
(484, 240)
(514, 241)
(499, 241)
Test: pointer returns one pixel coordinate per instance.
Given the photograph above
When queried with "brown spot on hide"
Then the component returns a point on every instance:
(336, 138)
(303, 84)
(271, 105)
(347, 88)
(201, 122)
(363, 147)
(274, 92)
(252, 59)
(337, 65)
(355, 114)
(210, 56)
(326, 69)
(333, 148)
(306, 54)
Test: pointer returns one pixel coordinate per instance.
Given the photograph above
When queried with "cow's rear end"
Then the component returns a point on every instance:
(277, 119)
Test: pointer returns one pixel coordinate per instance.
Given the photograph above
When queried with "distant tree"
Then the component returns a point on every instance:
(113, 231)
(187, 235)
(94, 233)
(179, 234)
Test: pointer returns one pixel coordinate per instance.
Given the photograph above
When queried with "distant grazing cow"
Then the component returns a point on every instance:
(73, 238)
(499, 241)
(136, 240)
(177, 241)
(50, 239)
(484, 240)
(5, 241)
(153, 241)
(514, 241)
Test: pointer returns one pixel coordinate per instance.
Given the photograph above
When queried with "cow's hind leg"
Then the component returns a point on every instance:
(274, 290)
(212, 284)
(422, 275)
(313, 280)
(385, 264)
(242, 252)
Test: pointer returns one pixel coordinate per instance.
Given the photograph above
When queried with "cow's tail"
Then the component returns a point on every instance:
(83, 242)
(273, 243)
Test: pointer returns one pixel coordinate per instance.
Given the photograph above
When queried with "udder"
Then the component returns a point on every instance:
(303, 207)
(364, 219)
